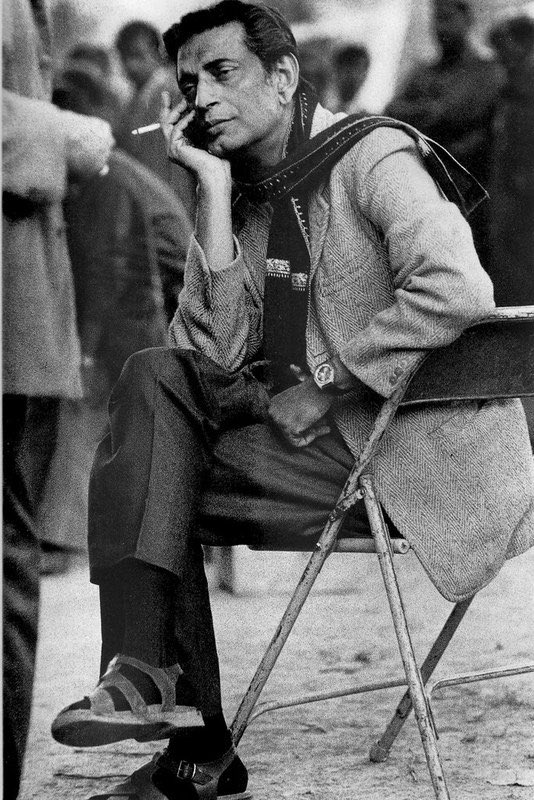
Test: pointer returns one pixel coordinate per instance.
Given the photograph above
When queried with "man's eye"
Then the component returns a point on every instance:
(224, 72)
(187, 89)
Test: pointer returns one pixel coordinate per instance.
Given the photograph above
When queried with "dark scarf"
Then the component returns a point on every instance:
(287, 275)
(287, 187)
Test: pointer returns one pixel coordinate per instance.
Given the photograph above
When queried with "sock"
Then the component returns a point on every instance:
(185, 694)
(202, 744)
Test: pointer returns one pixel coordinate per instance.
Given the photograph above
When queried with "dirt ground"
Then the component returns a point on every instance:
(343, 638)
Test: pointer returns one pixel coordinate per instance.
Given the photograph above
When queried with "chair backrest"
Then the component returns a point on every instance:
(492, 359)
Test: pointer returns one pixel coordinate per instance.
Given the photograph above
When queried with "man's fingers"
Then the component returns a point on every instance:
(165, 102)
(171, 115)
(298, 372)
(308, 436)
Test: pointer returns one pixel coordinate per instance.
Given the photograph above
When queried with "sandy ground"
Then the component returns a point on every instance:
(343, 638)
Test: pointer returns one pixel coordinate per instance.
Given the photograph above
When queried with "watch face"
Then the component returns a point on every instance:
(324, 374)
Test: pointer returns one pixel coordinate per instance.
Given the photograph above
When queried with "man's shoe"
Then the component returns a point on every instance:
(225, 777)
(227, 780)
(95, 720)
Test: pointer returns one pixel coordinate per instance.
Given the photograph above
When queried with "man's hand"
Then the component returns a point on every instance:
(298, 412)
(174, 122)
(214, 190)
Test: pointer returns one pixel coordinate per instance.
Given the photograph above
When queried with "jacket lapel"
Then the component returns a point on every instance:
(319, 211)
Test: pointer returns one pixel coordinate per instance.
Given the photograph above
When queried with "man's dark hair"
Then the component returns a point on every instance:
(136, 30)
(84, 91)
(92, 54)
(267, 34)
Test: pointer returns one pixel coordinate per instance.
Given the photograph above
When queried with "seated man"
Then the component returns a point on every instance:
(341, 289)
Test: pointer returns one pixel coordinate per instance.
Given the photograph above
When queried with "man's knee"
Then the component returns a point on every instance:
(142, 369)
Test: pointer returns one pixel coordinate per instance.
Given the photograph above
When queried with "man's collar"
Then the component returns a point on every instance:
(323, 119)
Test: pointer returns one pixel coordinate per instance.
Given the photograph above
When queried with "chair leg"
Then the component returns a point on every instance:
(417, 691)
(323, 549)
(380, 750)
(225, 570)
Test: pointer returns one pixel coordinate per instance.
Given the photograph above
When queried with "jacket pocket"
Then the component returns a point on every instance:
(470, 428)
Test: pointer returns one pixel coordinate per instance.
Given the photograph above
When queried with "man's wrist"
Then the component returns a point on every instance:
(333, 377)
(344, 380)
(215, 181)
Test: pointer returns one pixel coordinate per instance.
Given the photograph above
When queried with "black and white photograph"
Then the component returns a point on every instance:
(268, 399)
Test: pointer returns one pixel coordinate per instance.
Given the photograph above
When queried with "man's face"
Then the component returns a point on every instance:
(236, 100)
(139, 60)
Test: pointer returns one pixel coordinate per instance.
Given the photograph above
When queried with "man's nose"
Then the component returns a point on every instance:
(205, 94)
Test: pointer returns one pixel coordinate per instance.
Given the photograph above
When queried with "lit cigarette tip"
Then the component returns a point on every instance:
(146, 129)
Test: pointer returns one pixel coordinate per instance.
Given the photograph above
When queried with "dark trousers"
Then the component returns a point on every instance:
(190, 459)
(21, 554)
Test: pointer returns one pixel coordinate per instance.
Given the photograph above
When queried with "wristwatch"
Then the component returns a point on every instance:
(324, 376)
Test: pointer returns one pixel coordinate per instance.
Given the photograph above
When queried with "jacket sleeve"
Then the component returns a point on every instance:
(34, 149)
(439, 285)
(216, 314)
(41, 143)
(171, 233)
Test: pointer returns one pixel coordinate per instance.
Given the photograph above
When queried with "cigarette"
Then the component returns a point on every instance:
(146, 129)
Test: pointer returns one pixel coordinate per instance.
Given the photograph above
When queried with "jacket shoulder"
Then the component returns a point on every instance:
(375, 146)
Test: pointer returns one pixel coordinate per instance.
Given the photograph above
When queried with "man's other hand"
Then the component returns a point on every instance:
(298, 412)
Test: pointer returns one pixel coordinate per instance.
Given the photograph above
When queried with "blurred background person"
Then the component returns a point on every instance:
(41, 354)
(453, 100)
(511, 186)
(336, 72)
(351, 65)
(128, 235)
(511, 183)
(316, 67)
(141, 52)
(102, 61)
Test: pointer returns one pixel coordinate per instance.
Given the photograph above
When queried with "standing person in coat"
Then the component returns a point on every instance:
(342, 287)
(511, 185)
(140, 49)
(41, 357)
(453, 99)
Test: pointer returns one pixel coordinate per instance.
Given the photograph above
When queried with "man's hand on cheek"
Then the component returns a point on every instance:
(298, 412)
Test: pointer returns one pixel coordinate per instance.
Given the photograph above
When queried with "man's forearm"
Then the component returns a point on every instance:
(214, 218)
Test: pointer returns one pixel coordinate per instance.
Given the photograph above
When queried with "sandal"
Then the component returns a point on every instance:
(225, 777)
(96, 721)
(208, 781)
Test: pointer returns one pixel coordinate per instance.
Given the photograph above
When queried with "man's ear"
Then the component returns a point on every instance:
(286, 74)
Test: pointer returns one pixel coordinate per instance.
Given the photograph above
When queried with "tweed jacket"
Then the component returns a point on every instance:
(394, 274)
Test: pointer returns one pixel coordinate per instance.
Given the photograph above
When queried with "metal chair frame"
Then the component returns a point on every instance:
(473, 356)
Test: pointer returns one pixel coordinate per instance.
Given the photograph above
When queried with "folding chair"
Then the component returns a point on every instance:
(491, 360)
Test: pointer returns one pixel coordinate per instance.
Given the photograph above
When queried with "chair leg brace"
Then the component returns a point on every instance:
(380, 750)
